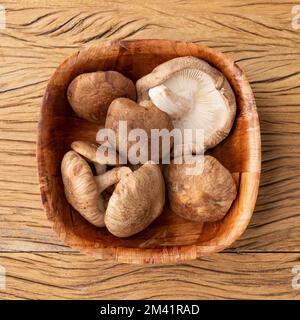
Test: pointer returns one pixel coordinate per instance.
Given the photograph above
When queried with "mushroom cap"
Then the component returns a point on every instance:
(138, 199)
(81, 189)
(146, 116)
(87, 149)
(194, 94)
(90, 94)
(205, 197)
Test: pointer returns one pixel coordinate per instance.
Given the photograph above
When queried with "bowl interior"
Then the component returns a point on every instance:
(59, 126)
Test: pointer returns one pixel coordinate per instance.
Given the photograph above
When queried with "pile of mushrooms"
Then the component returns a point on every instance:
(182, 93)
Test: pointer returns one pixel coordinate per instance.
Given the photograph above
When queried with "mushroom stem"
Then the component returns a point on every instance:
(169, 102)
(111, 177)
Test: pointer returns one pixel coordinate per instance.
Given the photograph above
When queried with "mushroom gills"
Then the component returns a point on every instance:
(192, 100)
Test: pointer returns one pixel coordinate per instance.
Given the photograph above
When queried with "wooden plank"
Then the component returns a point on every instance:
(259, 36)
(224, 275)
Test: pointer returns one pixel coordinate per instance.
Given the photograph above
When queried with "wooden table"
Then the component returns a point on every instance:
(260, 37)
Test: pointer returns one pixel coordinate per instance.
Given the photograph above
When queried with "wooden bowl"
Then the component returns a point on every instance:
(170, 238)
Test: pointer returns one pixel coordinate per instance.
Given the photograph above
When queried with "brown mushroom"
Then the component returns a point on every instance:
(90, 94)
(144, 116)
(88, 150)
(203, 197)
(195, 95)
(83, 190)
(138, 199)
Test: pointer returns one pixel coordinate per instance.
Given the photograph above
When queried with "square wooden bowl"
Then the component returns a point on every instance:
(170, 238)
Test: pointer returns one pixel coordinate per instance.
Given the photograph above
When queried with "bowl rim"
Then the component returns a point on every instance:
(170, 254)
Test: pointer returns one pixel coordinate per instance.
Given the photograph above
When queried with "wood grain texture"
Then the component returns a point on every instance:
(256, 34)
(39, 36)
(70, 276)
